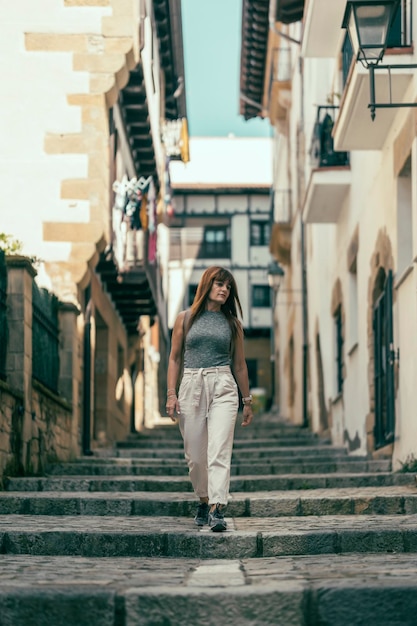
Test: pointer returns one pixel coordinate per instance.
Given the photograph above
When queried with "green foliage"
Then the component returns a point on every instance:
(9, 244)
(409, 465)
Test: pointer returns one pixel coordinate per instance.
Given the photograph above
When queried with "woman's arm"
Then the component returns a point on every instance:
(240, 372)
(174, 366)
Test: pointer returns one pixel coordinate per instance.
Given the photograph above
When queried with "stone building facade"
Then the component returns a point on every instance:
(94, 108)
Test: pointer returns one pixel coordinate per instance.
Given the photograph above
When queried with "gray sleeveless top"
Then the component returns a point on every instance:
(207, 343)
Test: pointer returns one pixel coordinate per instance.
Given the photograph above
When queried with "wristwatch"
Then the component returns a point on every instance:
(248, 399)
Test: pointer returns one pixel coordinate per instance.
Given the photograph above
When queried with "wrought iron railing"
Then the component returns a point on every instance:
(45, 338)
(399, 36)
(3, 315)
(322, 150)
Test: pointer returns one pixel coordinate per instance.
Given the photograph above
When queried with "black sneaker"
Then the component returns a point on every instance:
(217, 522)
(202, 514)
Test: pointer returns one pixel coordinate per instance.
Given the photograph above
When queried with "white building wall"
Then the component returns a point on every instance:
(370, 207)
(33, 92)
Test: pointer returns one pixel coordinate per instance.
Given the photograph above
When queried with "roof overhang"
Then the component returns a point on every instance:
(255, 28)
(171, 52)
(132, 292)
(289, 11)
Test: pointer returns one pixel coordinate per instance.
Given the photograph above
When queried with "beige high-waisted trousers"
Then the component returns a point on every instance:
(208, 399)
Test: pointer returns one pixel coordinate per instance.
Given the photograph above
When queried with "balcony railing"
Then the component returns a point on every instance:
(399, 36)
(322, 151)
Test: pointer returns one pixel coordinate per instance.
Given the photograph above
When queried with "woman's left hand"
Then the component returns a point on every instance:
(247, 414)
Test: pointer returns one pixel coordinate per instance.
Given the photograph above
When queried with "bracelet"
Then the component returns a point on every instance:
(171, 395)
(248, 399)
(171, 389)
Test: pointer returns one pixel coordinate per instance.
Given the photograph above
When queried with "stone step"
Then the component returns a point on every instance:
(178, 467)
(127, 462)
(238, 443)
(254, 452)
(256, 430)
(333, 590)
(364, 501)
(238, 483)
(175, 537)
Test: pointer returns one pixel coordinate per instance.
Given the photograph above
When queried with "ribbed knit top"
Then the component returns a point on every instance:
(207, 343)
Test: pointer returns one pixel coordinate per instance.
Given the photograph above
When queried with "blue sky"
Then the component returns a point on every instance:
(212, 33)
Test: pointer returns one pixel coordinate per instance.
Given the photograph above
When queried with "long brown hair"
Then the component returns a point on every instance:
(230, 308)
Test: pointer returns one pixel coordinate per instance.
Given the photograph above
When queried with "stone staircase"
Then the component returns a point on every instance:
(315, 537)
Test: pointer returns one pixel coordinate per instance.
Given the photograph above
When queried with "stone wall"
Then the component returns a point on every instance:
(11, 422)
(37, 426)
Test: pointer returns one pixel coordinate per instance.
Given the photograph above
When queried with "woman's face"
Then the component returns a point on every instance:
(219, 292)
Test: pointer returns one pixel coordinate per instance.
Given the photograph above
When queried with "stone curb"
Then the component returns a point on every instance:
(238, 483)
(395, 501)
(178, 468)
(172, 537)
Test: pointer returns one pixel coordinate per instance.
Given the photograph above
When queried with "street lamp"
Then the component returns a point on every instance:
(368, 23)
(275, 276)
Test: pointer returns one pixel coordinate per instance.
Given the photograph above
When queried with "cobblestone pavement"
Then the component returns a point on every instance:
(121, 573)
(304, 547)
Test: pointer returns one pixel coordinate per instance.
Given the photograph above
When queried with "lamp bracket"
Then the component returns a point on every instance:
(386, 105)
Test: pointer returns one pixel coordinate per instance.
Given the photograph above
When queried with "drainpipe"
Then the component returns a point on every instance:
(305, 327)
(86, 433)
(304, 273)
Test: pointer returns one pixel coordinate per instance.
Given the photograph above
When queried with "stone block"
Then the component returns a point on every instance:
(4, 442)
(58, 605)
(52, 42)
(102, 83)
(326, 506)
(100, 506)
(371, 541)
(281, 544)
(72, 231)
(122, 26)
(273, 507)
(410, 505)
(282, 603)
(107, 63)
(365, 602)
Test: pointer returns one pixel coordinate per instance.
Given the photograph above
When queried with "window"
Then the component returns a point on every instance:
(339, 349)
(260, 233)
(216, 242)
(353, 306)
(261, 296)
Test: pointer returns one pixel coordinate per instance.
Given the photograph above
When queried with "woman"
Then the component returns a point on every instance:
(208, 341)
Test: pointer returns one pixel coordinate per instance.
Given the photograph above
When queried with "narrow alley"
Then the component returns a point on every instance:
(315, 537)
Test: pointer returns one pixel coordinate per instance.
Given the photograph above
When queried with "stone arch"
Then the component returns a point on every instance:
(381, 262)
(336, 304)
(321, 397)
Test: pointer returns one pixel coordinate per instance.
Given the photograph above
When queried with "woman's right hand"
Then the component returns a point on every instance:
(172, 406)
